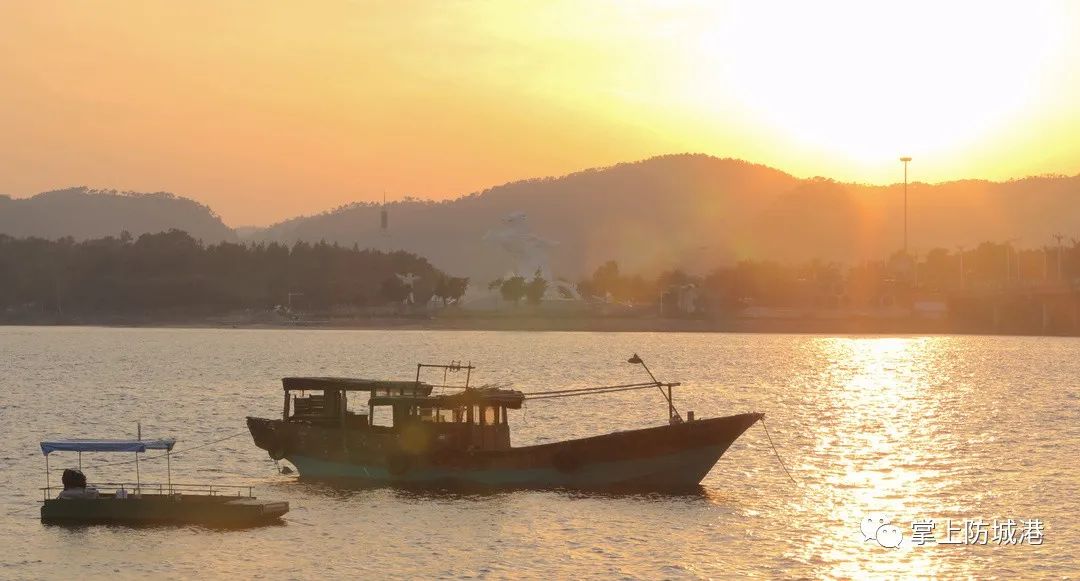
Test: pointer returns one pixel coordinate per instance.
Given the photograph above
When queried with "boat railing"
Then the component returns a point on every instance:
(107, 489)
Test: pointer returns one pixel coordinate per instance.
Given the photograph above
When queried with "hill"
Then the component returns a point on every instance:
(687, 211)
(647, 214)
(696, 211)
(83, 213)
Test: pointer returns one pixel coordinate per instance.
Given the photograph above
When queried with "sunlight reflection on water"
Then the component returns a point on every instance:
(909, 427)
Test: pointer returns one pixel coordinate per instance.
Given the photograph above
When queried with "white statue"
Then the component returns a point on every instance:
(530, 255)
(529, 251)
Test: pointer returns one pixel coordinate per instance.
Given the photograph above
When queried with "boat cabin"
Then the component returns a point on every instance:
(462, 417)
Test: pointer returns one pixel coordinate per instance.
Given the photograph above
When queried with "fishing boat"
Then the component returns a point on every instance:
(138, 502)
(461, 436)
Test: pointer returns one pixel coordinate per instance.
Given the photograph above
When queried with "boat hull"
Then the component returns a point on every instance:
(220, 511)
(662, 458)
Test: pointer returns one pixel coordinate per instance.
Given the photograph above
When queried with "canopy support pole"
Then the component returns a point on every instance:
(138, 479)
(47, 485)
(168, 469)
(80, 461)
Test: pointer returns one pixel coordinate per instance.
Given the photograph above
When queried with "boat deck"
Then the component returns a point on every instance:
(213, 505)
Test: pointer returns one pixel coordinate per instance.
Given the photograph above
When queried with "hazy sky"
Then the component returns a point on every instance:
(264, 110)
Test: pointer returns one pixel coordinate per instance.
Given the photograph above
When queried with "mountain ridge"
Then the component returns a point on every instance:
(693, 211)
(689, 211)
(81, 213)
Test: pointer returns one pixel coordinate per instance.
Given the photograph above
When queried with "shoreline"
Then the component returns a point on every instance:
(839, 326)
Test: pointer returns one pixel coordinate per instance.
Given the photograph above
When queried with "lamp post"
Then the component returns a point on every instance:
(960, 252)
(1058, 237)
(905, 160)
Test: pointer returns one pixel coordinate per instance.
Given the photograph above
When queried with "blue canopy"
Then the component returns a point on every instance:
(95, 445)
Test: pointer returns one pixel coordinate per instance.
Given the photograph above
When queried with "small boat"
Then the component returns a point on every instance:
(404, 434)
(138, 502)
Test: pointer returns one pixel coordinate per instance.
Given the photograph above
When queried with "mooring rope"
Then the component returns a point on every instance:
(773, 446)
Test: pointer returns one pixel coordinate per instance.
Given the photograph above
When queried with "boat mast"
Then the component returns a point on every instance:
(672, 412)
(450, 367)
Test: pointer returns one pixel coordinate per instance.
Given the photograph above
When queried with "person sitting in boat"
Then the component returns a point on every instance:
(75, 485)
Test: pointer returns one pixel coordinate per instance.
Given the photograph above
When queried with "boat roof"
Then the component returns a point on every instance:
(354, 384)
(510, 398)
(103, 445)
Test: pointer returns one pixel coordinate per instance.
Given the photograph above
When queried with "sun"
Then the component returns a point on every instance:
(864, 82)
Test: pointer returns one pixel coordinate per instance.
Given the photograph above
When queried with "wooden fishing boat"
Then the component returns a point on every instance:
(141, 503)
(463, 438)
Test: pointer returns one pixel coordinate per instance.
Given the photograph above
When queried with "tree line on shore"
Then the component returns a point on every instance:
(515, 288)
(171, 271)
(988, 267)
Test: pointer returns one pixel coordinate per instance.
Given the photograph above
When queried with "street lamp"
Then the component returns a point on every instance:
(960, 252)
(905, 159)
(1009, 250)
(1058, 237)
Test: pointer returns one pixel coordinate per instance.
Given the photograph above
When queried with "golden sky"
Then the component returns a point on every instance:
(265, 110)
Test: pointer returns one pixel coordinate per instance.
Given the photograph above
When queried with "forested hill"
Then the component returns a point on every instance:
(643, 214)
(83, 213)
(678, 211)
(697, 211)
